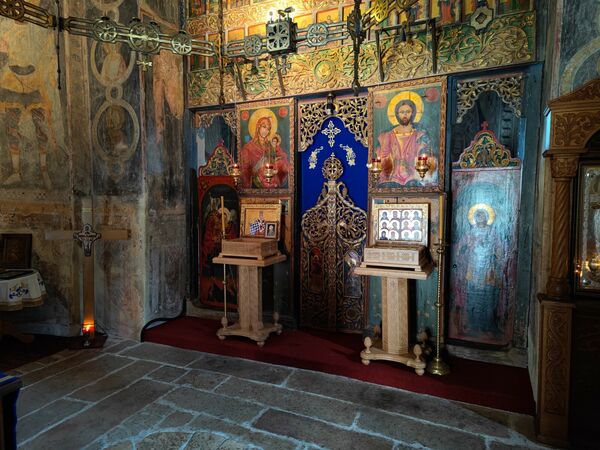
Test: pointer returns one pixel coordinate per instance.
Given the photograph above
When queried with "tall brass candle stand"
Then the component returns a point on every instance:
(437, 366)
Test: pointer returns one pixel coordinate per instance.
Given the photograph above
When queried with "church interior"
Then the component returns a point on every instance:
(301, 224)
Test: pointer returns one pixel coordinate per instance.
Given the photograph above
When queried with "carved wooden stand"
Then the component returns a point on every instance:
(250, 324)
(393, 345)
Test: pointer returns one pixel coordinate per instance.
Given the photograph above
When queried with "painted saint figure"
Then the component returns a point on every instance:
(263, 148)
(400, 147)
(481, 249)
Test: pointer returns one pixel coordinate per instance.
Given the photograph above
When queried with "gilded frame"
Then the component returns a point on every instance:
(434, 92)
(245, 117)
(250, 212)
(15, 251)
(404, 216)
(587, 254)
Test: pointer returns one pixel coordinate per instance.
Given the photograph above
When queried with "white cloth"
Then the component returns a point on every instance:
(21, 292)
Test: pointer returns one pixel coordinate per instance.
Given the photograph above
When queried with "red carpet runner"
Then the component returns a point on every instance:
(492, 385)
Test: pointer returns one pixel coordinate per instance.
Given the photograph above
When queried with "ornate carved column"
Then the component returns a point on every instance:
(564, 169)
(556, 311)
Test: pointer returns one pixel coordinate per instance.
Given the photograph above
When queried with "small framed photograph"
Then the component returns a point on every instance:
(271, 230)
(400, 223)
(256, 217)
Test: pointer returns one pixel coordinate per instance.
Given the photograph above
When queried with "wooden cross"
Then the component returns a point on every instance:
(86, 238)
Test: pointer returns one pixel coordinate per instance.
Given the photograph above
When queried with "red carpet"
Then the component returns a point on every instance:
(492, 385)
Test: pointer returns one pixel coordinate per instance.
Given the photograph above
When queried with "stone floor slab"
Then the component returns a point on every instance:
(163, 441)
(216, 405)
(76, 432)
(298, 402)
(205, 441)
(163, 354)
(46, 417)
(201, 379)
(413, 432)
(319, 433)
(114, 382)
(63, 364)
(396, 401)
(167, 373)
(243, 368)
(53, 388)
(242, 434)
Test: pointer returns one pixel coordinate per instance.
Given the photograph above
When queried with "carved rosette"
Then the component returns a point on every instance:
(352, 112)
(509, 89)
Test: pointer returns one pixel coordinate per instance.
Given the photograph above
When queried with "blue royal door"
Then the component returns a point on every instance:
(333, 200)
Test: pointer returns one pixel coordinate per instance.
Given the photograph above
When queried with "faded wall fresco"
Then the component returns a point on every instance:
(34, 167)
(579, 44)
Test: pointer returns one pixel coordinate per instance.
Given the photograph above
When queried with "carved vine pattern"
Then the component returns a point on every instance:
(556, 387)
(509, 89)
(564, 167)
(335, 226)
(351, 111)
(573, 129)
(219, 163)
(486, 151)
(205, 119)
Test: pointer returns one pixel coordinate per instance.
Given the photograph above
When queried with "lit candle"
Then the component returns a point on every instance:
(223, 216)
(441, 218)
(88, 328)
(422, 157)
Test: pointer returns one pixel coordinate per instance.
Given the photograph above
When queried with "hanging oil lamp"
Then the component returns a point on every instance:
(422, 166)
(375, 167)
(236, 173)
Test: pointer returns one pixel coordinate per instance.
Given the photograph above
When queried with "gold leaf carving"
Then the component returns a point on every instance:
(219, 163)
(564, 167)
(507, 88)
(573, 129)
(402, 60)
(352, 112)
(486, 151)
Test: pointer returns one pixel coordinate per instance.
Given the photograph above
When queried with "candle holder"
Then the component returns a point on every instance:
(375, 167)
(236, 173)
(90, 338)
(422, 166)
(270, 172)
(437, 366)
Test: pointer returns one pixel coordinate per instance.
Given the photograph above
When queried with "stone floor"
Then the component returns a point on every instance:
(148, 396)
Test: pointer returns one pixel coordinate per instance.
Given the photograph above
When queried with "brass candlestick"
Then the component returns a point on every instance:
(422, 166)
(437, 366)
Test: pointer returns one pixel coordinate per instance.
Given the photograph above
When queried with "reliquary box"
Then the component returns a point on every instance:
(413, 257)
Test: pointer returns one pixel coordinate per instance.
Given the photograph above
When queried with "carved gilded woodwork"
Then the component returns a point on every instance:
(205, 119)
(509, 89)
(575, 118)
(486, 151)
(507, 40)
(219, 163)
(573, 129)
(333, 235)
(352, 112)
(564, 167)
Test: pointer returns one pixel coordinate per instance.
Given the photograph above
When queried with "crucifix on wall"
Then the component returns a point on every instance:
(86, 237)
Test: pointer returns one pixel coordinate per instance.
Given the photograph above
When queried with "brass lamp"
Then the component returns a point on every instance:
(270, 171)
(236, 173)
(594, 264)
(375, 167)
(422, 166)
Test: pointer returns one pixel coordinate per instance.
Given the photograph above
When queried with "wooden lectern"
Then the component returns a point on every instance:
(394, 345)
(250, 322)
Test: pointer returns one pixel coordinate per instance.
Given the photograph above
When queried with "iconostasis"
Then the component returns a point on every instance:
(454, 159)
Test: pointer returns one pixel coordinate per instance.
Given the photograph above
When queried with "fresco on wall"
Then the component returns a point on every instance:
(116, 132)
(31, 121)
(211, 275)
(580, 44)
(483, 254)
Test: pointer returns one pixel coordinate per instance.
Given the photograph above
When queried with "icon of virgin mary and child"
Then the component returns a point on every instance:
(264, 149)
